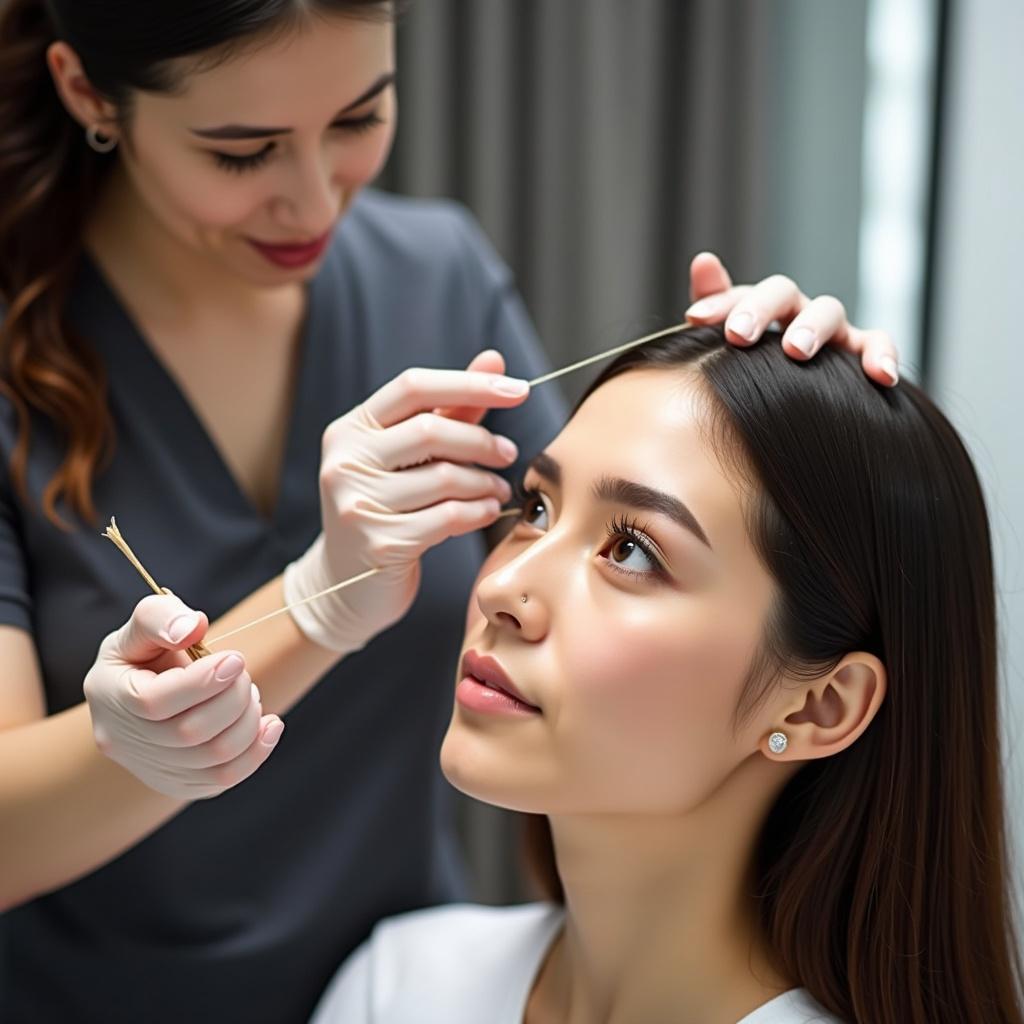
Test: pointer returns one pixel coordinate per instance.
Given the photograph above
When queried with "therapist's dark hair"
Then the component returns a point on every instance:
(49, 179)
(882, 873)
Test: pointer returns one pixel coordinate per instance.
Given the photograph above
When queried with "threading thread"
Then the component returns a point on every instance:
(198, 650)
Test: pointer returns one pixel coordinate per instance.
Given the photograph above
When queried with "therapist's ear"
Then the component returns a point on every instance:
(80, 98)
(827, 715)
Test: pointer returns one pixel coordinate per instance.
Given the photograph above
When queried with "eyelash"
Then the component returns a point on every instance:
(619, 527)
(240, 164)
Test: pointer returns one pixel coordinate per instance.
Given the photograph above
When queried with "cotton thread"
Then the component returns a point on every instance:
(114, 535)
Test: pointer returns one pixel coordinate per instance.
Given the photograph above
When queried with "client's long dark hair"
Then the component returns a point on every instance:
(882, 873)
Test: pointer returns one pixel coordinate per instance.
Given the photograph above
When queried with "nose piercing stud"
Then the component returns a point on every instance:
(523, 598)
(777, 742)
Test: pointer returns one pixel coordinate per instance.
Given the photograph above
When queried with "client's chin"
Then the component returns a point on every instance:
(485, 768)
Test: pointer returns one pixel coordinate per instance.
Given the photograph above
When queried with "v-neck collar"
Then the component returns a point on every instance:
(160, 389)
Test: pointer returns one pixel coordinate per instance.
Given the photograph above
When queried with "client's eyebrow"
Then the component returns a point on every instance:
(546, 467)
(628, 492)
(241, 131)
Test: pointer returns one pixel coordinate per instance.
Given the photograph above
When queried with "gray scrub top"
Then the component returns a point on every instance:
(241, 907)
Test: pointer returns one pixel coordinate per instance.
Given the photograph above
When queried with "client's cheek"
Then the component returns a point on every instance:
(627, 685)
(651, 692)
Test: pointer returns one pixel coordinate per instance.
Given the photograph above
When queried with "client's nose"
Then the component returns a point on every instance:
(511, 602)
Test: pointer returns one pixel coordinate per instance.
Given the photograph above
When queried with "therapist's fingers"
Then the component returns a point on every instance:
(715, 308)
(413, 533)
(822, 319)
(488, 361)
(807, 324)
(708, 276)
(418, 390)
(417, 488)
(202, 722)
(158, 623)
(775, 298)
(224, 746)
(878, 354)
(157, 696)
(207, 782)
(428, 436)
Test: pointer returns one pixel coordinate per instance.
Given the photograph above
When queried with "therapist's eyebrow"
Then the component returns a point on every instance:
(627, 492)
(241, 131)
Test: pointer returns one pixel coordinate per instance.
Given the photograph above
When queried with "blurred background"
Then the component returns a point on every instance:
(870, 149)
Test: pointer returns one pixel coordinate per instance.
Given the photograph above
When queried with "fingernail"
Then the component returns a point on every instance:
(511, 386)
(180, 626)
(742, 324)
(888, 365)
(272, 733)
(702, 308)
(504, 489)
(506, 448)
(802, 338)
(228, 668)
(255, 694)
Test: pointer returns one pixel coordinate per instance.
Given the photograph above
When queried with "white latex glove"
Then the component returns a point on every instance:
(396, 479)
(171, 721)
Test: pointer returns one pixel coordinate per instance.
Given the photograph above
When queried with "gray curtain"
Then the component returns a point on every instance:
(577, 131)
(602, 143)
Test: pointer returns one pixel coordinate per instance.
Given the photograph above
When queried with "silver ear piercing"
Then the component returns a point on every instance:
(777, 742)
(98, 141)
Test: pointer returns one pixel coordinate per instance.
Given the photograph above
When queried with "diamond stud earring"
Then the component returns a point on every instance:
(777, 742)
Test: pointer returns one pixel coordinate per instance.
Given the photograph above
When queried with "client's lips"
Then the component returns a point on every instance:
(487, 670)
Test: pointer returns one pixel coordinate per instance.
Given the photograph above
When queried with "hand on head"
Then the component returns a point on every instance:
(808, 324)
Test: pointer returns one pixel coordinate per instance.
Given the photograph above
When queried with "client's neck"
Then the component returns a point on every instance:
(659, 925)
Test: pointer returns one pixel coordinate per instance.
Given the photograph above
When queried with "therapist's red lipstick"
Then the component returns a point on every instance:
(292, 254)
(486, 687)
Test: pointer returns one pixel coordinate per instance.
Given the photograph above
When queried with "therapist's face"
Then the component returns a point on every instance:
(633, 645)
(327, 85)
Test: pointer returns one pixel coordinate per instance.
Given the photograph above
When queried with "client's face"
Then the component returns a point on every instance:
(635, 635)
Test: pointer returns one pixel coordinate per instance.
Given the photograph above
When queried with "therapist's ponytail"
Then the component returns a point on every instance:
(49, 182)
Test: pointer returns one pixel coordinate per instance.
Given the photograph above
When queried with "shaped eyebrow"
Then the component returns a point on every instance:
(547, 467)
(628, 492)
(241, 131)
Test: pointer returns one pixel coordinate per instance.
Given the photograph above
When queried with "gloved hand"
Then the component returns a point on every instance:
(396, 479)
(187, 729)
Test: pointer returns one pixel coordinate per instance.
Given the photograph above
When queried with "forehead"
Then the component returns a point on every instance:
(306, 73)
(652, 427)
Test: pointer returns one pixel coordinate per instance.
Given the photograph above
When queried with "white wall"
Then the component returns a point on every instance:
(978, 340)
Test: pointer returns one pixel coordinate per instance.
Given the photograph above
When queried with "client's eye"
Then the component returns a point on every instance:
(532, 509)
(630, 552)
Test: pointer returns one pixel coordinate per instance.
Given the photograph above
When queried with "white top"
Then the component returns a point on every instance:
(469, 964)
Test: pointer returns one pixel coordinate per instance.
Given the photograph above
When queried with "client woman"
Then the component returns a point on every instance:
(740, 650)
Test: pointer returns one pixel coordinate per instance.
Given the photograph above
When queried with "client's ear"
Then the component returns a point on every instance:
(833, 710)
